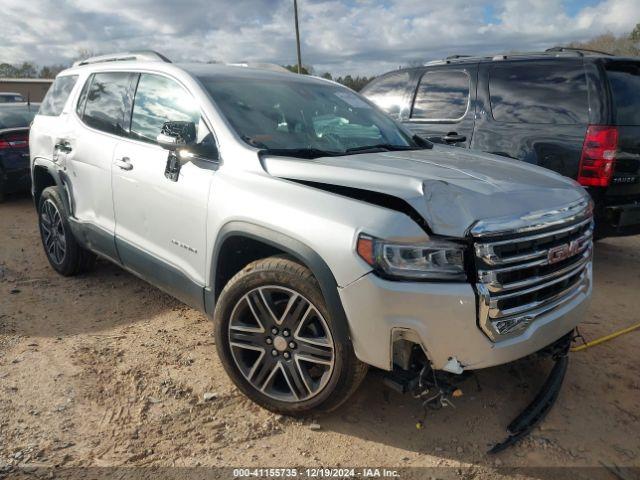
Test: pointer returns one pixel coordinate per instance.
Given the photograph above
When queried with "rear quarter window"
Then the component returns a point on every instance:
(624, 82)
(57, 95)
(539, 93)
(390, 93)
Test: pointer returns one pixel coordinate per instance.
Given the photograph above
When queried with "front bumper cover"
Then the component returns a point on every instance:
(443, 316)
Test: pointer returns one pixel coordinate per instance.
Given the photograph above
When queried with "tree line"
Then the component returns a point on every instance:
(627, 45)
(30, 70)
(354, 83)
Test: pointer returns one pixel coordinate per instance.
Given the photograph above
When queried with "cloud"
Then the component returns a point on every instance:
(361, 36)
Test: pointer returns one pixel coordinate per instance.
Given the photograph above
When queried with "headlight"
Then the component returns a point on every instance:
(432, 260)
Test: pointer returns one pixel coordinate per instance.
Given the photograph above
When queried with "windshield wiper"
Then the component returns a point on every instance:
(300, 152)
(385, 147)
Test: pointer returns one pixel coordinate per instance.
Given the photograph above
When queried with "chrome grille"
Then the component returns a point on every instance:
(524, 275)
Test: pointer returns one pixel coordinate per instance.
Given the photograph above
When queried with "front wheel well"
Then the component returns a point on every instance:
(237, 252)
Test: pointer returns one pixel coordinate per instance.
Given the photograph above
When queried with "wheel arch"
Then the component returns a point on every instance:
(44, 176)
(273, 242)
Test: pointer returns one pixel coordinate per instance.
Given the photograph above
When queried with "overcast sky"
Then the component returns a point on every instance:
(355, 36)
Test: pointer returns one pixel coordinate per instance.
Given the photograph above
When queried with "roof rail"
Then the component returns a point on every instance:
(555, 51)
(456, 58)
(453, 57)
(579, 51)
(140, 55)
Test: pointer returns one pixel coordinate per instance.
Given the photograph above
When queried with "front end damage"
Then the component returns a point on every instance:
(528, 272)
(436, 389)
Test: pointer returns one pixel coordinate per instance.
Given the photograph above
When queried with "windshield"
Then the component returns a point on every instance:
(296, 116)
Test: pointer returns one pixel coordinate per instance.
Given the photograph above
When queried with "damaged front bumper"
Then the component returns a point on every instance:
(442, 319)
(437, 389)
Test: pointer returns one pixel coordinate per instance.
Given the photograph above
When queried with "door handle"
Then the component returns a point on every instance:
(124, 163)
(63, 146)
(454, 137)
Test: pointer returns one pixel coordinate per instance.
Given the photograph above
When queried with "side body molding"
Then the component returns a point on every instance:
(291, 246)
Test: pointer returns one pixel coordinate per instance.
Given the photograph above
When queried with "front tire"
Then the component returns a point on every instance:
(60, 246)
(278, 342)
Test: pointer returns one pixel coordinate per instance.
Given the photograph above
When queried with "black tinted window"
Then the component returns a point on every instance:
(9, 98)
(16, 116)
(107, 104)
(57, 95)
(158, 100)
(389, 92)
(442, 96)
(624, 78)
(539, 93)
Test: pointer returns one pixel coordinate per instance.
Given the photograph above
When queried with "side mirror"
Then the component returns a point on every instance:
(174, 135)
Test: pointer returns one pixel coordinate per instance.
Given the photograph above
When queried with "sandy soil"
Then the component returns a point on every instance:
(104, 370)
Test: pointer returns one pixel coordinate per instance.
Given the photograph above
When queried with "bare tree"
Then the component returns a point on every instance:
(625, 45)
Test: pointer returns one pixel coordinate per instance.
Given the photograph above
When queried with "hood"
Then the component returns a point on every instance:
(451, 188)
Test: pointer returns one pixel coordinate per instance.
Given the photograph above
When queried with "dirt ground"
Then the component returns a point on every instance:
(104, 370)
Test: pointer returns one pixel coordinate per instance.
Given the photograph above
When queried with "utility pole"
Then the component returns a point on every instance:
(295, 12)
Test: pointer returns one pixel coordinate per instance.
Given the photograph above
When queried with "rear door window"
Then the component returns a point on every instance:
(108, 105)
(57, 95)
(539, 93)
(442, 95)
(390, 92)
(624, 81)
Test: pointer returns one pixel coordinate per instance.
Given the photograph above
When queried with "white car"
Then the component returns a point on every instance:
(319, 234)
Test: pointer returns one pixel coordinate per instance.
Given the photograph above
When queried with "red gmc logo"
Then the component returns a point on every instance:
(562, 252)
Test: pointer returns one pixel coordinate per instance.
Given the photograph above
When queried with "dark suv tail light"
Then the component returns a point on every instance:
(14, 140)
(598, 156)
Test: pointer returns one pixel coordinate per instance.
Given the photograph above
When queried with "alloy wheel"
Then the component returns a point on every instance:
(55, 243)
(281, 343)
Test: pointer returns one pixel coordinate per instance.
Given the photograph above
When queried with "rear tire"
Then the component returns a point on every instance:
(278, 342)
(60, 246)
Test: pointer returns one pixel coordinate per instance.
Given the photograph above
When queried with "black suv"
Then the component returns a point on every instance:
(576, 112)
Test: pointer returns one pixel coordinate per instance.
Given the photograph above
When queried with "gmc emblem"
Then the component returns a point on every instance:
(562, 252)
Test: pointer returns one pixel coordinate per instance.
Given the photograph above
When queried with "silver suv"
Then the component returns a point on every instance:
(320, 235)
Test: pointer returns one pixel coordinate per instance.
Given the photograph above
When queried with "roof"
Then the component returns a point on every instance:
(198, 70)
(145, 60)
(209, 70)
